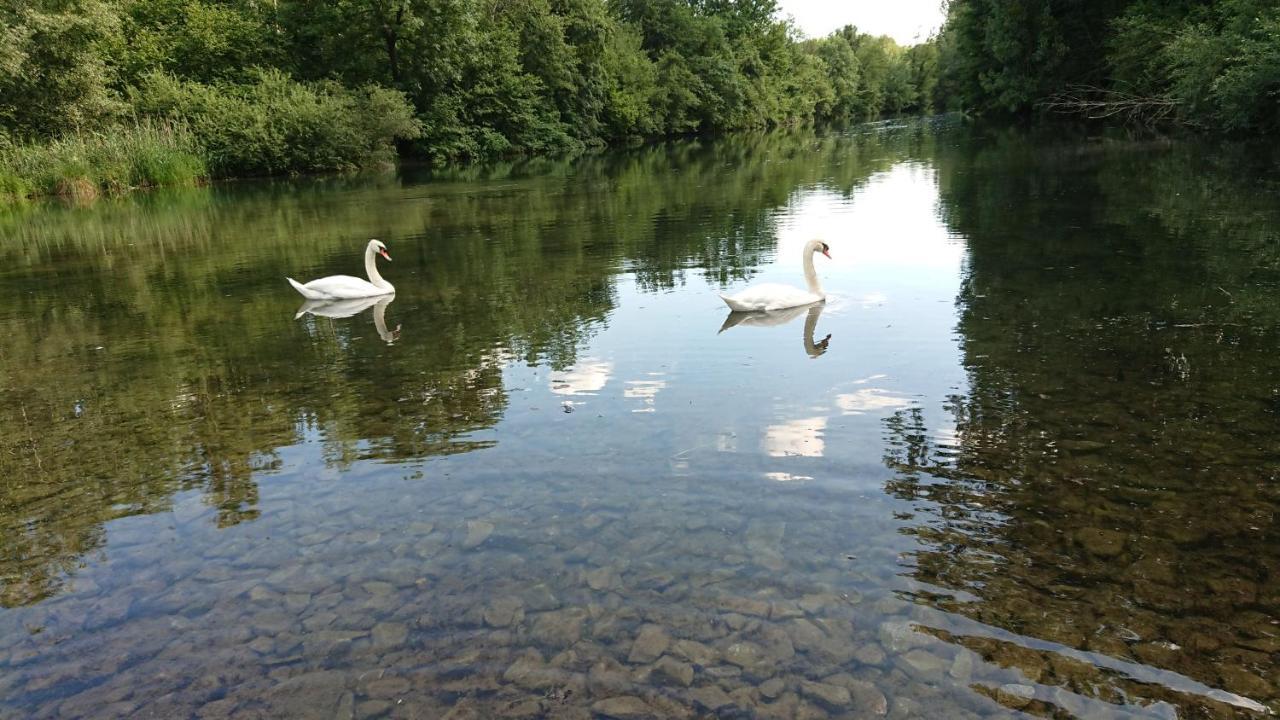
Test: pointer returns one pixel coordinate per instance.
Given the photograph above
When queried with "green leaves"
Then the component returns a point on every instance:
(56, 75)
(297, 86)
(1217, 63)
(275, 125)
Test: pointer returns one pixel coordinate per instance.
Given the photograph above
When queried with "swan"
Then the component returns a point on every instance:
(345, 287)
(771, 296)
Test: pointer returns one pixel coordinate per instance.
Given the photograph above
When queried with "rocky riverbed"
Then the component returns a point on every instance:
(516, 603)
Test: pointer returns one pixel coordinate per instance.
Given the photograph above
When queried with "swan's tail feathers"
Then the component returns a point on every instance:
(733, 304)
(303, 289)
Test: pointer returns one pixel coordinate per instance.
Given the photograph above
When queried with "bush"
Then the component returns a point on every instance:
(113, 161)
(276, 125)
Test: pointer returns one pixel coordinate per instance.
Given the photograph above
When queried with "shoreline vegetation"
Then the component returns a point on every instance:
(103, 96)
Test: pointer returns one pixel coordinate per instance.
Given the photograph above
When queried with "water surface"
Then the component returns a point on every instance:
(1021, 463)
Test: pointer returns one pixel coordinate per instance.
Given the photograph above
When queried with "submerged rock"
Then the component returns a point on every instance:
(386, 688)
(531, 672)
(1101, 542)
(924, 662)
(389, 634)
(962, 666)
(869, 654)
(772, 688)
(1015, 696)
(559, 628)
(750, 657)
(625, 707)
(673, 672)
(607, 678)
(311, 695)
(710, 698)
(745, 606)
(777, 643)
(785, 609)
(695, 652)
(649, 645)
(897, 636)
(601, 578)
(539, 598)
(372, 709)
(378, 588)
(477, 532)
(832, 696)
(504, 612)
(867, 698)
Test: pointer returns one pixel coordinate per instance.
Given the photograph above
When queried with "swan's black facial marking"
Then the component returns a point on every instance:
(825, 249)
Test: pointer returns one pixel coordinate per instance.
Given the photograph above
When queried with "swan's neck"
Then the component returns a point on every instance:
(371, 268)
(811, 276)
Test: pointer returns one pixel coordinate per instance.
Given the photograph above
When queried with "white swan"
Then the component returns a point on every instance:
(771, 296)
(345, 287)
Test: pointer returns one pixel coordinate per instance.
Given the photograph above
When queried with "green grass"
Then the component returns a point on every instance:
(112, 161)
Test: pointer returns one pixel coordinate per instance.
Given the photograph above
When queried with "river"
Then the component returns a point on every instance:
(1022, 462)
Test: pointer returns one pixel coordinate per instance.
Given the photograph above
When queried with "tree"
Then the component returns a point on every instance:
(56, 77)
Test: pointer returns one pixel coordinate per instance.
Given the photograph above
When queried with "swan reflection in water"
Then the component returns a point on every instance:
(772, 318)
(347, 308)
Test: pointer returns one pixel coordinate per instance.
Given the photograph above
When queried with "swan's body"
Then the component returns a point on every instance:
(771, 296)
(345, 287)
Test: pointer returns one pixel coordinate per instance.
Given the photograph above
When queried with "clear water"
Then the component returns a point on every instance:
(1022, 462)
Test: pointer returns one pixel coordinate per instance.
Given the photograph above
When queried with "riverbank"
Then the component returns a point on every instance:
(85, 166)
(283, 89)
(186, 133)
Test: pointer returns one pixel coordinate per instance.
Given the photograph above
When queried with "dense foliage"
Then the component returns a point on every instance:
(311, 85)
(1210, 64)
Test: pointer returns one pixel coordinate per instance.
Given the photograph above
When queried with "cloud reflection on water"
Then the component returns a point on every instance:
(802, 437)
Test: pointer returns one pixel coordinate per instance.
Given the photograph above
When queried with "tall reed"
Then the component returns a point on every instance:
(111, 161)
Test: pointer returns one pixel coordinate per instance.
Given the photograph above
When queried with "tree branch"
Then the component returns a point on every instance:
(1098, 103)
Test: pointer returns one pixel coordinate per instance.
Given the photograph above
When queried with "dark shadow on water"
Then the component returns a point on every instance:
(1106, 481)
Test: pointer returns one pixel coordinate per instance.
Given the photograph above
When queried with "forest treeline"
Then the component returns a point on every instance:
(111, 94)
(1209, 64)
(251, 87)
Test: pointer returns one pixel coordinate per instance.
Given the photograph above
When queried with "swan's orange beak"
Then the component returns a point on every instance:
(824, 252)
(384, 254)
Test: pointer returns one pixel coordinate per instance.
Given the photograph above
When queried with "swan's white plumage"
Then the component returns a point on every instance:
(345, 287)
(339, 287)
(772, 296)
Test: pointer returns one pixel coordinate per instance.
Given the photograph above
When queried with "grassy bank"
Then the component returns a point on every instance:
(107, 162)
(182, 133)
